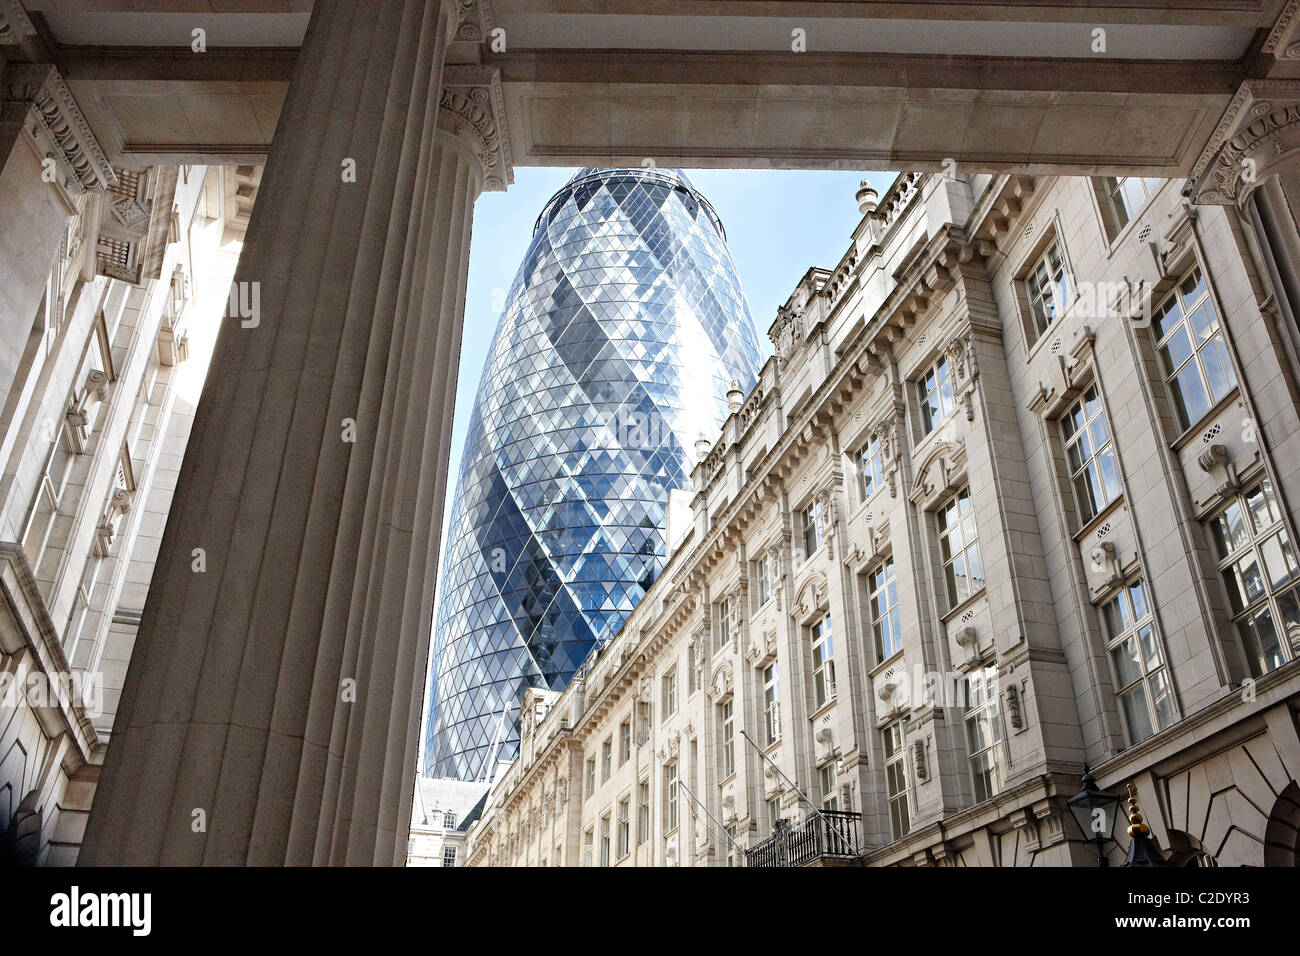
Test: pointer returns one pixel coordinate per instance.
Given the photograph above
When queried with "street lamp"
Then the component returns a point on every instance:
(1095, 812)
(1142, 849)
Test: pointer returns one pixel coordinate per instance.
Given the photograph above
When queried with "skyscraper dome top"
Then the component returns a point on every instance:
(587, 180)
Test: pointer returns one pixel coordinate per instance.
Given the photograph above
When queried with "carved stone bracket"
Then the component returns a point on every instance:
(1215, 457)
(473, 109)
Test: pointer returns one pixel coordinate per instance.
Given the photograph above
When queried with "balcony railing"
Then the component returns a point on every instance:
(831, 834)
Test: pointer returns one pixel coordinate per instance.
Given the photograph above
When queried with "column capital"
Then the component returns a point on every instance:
(15, 26)
(1258, 136)
(473, 109)
(57, 127)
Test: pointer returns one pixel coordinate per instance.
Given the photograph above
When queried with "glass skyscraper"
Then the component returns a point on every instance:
(622, 332)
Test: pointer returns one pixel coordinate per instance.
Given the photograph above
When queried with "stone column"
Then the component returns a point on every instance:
(272, 706)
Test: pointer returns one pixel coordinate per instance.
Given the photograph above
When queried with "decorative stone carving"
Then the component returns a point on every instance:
(1013, 707)
(474, 20)
(1216, 457)
(59, 128)
(918, 760)
(786, 332)
(14, 23)
(473, 108)
(938, 471)
(1259, 133)
(722, 682)
(119, 504)
(813, 597)
(645, 690)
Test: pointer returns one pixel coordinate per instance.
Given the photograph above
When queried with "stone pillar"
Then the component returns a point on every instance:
(272, 706)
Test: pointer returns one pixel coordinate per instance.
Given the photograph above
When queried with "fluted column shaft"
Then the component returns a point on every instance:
(277, 693)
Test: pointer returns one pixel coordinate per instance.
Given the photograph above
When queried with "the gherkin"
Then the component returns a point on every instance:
(622, 332)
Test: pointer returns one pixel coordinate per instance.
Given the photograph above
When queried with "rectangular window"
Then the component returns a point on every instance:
(896, 779)
(624, 741)
(823, 652)
(449, 856)
(1141, 682)
(591, 777)
(1048, 288)
(643, 812)
(588, 841)
(644, 720)
(727, 721)
(772, 702)
(733, 850)
(624, 827)
(934, 389)
(670, 798)
(826, 777)
(1259, 567)
(606, 759)
(448, 820)
(1121, 197)
(762, 569)
(886, 625)
(773, 811)
(604, 840)
(724, 624)
(49, 498)
(870, 475)
(983, 732)
(1192, 351)
(670, 694)
(808, 528)
(692, 656)
(959, 547)
(1090, 455)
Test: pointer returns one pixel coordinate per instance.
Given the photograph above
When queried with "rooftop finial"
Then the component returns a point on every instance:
(867, 198)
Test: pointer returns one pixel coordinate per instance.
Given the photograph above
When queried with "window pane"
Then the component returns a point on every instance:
(1278, 559)
(1136, 713)
(1162, 699)
(1217, 368)
(1189, 393)
(1128, 665)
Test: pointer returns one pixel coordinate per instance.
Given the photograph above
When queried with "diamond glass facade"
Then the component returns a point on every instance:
(622, 332)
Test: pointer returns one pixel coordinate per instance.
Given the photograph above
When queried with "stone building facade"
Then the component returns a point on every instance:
(97, 388)
(1016, 494)
(444, 810)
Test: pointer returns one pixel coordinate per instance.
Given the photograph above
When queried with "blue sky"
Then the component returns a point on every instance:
(778, 223)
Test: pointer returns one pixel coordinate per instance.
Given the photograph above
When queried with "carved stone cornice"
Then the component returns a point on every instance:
(474, 20)
(1259, 131)
(473, 109)
(58, 127)
(15, 26)
(1282, 39)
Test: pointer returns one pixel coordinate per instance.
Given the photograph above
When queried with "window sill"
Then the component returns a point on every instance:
(958, 609)
(1197, 427)
(1097, 520)
(727, 779)
(824, 709)
(884, 665)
